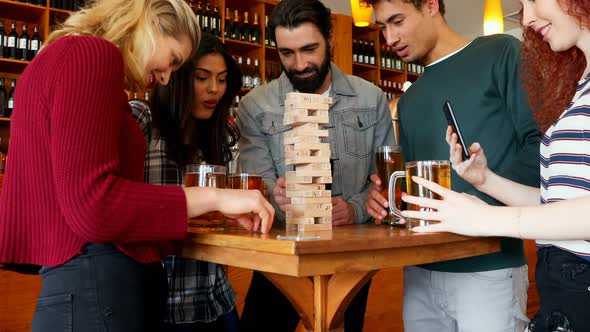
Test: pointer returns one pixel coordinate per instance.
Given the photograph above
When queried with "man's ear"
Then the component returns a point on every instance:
(433, 7)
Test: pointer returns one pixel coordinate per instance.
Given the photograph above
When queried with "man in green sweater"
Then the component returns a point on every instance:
(481, 79)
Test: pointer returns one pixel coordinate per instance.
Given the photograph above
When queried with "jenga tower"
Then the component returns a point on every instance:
(311, 203)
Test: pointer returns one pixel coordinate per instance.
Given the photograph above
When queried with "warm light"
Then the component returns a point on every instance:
(493, 20)
(361, 12)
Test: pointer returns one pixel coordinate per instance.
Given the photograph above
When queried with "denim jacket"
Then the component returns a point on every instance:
(359, 122)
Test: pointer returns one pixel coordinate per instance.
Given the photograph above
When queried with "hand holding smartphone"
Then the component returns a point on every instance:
(452, 121)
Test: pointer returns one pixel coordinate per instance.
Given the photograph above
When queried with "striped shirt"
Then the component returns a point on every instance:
(197, 291)
(565, 161)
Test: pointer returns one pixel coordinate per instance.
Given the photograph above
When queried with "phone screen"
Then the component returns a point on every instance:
(452, 121)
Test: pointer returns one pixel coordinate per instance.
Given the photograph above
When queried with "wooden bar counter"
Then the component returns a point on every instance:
(320, 277)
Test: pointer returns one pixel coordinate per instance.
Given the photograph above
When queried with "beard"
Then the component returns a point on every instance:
(313, 82)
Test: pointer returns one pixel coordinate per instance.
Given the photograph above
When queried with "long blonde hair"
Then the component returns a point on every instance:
(129, 24)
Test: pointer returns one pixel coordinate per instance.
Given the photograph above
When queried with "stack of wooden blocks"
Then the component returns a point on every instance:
(311, 203)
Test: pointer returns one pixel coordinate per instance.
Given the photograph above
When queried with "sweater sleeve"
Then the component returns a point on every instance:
(87, 127)
(525, 167)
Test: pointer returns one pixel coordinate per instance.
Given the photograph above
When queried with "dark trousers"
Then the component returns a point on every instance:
(102, 289)
(267, 309)
(563, 281)
(225, 323)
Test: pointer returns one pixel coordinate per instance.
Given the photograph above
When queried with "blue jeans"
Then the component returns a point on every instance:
(225, 323)
(102, 289)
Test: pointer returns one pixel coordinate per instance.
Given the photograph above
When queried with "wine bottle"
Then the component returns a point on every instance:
(354, 51)
(199, 14)
(35, 43)
(255, 30)
(216, 22)
(372, 54)
(235, 27)
(207, 19)
(10, 106)
(266, 33)
(256, 75)
(3, 51)
(227, 30)
(246, 31)
(3, 98)
(23, 44)
(11, 42)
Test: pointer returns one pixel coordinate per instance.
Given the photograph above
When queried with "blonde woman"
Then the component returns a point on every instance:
(73, 199)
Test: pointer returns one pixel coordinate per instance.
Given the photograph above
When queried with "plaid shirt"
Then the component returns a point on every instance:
(197, 290)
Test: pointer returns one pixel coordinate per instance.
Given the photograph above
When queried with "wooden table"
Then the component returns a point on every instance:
(320, 277)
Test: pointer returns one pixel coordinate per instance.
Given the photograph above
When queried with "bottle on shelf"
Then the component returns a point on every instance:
(54, 3)
(227, 30)
(354, 51)
(372, 54)
(199, 15)
(247, 74)
(3, 98)
(266, 34)
(366, 53)
(10, 103)
(206, 17)
(23, 44)
(256, 75)
(246, 31)
(11, 42)
(2, 160)
(235, 27)
(146, 96)
(255, 35)
(2, 40)
(35, 43)
(216, 22)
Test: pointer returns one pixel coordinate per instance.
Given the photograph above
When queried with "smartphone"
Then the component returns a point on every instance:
(452, 121)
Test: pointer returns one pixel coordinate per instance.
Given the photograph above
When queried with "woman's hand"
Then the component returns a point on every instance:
(457, 213)
(248, 207)
(475, 169)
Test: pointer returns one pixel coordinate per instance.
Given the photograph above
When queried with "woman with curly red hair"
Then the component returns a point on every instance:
(556, 76)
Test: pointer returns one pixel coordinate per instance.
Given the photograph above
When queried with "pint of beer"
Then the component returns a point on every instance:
(438, 171)
(245, 181)
(389, 159)
(205, 176)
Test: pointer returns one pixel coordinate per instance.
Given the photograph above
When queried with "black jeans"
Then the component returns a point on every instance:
(267, 309)
(102, 289)
(563, 281)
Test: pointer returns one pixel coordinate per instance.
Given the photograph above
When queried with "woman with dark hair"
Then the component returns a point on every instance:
(190, 125)
(556, 75)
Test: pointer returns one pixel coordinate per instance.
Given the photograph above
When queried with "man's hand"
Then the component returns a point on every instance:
(279, 193)
(376, 204)
(342, 212)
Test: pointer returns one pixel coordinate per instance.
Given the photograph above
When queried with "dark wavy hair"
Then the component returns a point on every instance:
(550, 78)
(292, 13)
(173, 105)
(417, 3)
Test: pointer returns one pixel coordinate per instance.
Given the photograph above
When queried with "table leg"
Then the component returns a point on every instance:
(322, 300)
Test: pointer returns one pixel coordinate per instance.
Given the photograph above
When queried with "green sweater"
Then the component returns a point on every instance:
(483, 84)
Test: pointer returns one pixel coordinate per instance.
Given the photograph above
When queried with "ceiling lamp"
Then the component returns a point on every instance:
(493, 20)
(361, 12)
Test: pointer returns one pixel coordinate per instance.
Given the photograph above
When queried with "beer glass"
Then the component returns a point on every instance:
(205, 176)
(438, 171)
(245, 181)
(389, 159)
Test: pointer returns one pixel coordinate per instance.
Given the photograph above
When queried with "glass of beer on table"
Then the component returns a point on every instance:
(246, 181)
(203, 175)
(438, 171)
(389, 159)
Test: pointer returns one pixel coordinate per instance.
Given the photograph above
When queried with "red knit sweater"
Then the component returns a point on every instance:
(75, 169)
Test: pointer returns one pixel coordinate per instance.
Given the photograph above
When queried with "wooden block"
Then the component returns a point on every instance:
(294, 153)
(307, 98)
(309, 227)
(308, 193)
(311, 146)
(308, 126)
(319, 207)
(298, 186)
(308, 213)
(301, 139)
(306, 132)
(323, 220)
(310, 200)
(289, 120)
(309, 220)
(307, 160)
(292, 178)
(313, 172)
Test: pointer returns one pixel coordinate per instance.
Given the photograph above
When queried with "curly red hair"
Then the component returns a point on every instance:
(550, 78)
